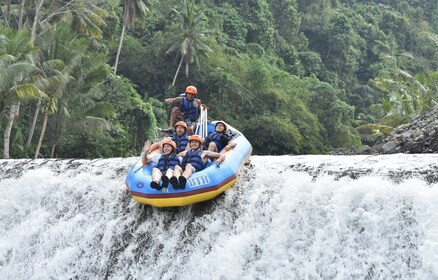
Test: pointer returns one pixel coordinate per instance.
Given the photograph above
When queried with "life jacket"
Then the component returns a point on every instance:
(194, 158)
(181, 141)
(189, 110)
(220, 139)
(167, 161)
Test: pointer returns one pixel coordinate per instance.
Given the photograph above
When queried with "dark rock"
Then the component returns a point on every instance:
(365, 150)
(389, 147)
(417, 137)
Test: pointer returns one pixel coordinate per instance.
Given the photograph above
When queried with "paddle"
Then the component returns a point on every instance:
(141, 166)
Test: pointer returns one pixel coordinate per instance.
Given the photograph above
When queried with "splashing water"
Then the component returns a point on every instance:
(288, 217)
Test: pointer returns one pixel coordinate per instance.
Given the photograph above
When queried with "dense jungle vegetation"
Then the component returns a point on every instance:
(87, 78)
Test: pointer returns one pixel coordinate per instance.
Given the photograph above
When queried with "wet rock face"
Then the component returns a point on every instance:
(418, 137)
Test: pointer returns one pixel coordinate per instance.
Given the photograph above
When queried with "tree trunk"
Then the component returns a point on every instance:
(177, 70)
(20, 20)
(120, 48)
(35, 21)
(15, 108)
(52, 151)
(57, 133)
(1, 116)
(32, 128)
(43, 131)
(6, 13)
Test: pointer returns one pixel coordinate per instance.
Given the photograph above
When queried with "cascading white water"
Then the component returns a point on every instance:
(287, 217)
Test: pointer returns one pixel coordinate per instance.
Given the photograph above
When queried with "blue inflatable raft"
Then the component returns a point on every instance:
(201, 186)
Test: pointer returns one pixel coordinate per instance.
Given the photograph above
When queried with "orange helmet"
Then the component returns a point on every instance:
(191, 90)
(168, 142)
(195, 137)
(181, 123)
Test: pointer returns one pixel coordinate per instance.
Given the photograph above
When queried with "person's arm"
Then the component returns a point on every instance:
(149, 147)
(158, 144)
(207, 141)
(145, 159)
(144, 154)
(183, 153)
(176, 100)
(218, 156)
(229, 146)
(187, 147)
(198, 102)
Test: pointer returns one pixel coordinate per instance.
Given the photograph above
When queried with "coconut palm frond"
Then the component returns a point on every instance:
(89, 123)
(102, 110)
(53, 64)
(405, 74)
(26, 91)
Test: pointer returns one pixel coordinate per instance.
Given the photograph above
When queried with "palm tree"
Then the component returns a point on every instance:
(41, 16)
(69, 70)
(55, 79)
(85, 18)
(61, 55)
(408, 95)
(188, 37)
(82, 92)
(17, 73)
(131, 9)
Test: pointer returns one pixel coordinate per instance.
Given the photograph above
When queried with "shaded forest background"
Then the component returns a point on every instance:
(87, 78)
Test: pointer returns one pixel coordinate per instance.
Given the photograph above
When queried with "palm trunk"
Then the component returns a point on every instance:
(177, 70)
(35, 21)
(15, 108)
(57, 133)
(52, 151)
(120, 48)
(43, 131)
(7, 11)
(1, 116)
(20, 20)
(32, 128)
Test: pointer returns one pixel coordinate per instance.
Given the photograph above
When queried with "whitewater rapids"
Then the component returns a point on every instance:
(288, 217)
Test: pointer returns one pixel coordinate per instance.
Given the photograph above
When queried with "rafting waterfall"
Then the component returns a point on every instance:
(287, 217)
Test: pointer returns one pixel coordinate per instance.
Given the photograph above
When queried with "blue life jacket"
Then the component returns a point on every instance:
(167, 161)
(189, 110)
(220, 139)
(194, 158)
(181, 141)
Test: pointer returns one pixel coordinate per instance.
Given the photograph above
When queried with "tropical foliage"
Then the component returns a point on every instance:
(295, 76)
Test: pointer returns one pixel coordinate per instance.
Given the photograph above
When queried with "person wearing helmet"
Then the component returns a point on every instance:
(187, 108)
(179, 136)
(219, 140)
(166, 164)
(194, 159)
